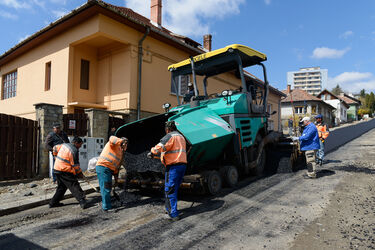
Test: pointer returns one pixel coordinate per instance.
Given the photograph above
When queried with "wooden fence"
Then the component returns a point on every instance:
(75, 124)
(18, 147)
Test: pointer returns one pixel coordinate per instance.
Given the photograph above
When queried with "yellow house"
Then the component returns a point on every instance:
(105, 57)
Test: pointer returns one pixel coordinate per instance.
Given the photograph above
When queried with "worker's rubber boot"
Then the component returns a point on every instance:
(83, 203)
(59, 204)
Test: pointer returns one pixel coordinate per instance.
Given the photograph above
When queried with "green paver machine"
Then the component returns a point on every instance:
(226, 132)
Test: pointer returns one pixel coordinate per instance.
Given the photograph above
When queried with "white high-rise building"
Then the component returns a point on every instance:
(312, 79)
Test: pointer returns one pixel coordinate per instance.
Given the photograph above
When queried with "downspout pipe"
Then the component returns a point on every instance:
(140, 58)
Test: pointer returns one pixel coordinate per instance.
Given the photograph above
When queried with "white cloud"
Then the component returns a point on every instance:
(352, 77)
(39, 3)
(16, 4)
(141, 7)
(61, 2)
(268, 2)
(8, 15)
(346, 34)
(59, 13)
(353, 81)
(23, 38)
(324, 52)
(189, 17)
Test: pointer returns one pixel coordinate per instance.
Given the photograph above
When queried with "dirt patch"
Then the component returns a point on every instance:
(348, 222)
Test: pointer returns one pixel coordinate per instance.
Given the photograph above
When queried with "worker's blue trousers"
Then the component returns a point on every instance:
(320, 152)
(105, 182)
(173, 179)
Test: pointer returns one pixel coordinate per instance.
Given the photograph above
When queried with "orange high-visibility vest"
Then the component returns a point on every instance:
(111, 156)
(56, 149)
(171, 149)
(322, 130)
(66, 158)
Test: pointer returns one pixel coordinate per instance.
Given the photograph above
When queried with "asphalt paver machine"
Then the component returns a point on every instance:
(226, 133)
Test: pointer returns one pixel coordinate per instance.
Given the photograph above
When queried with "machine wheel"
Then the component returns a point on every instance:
(285, 165)
(213, 183)
(262, 163)
(230, 175)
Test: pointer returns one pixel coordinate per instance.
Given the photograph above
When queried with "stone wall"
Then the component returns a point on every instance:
(46, 115)
(98, 123)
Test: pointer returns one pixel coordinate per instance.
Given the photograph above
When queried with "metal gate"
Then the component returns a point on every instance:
(18, 147)
(75, 124)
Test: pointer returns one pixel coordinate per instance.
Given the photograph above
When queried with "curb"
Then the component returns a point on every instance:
(29, 205)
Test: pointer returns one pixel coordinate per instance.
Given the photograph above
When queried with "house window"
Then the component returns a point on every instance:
(9, 86)
(47, 82)
(85, 72)
(299, 110)
(322, 97)
(313, 109)
(181, 84)
(269, 108)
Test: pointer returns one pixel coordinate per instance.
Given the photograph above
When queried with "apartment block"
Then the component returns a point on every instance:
(311, 79)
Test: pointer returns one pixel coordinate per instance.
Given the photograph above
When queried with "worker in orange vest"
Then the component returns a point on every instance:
(67, 171)
(109, 162)
(172, 153)
(323, 132)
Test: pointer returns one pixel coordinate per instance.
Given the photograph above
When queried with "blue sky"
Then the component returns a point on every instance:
(338, 35)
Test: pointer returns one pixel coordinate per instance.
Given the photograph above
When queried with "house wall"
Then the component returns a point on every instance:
(274, 100)
(31, 79)
(112, 49)
(324, 110)
(352, 112)
(341, 110)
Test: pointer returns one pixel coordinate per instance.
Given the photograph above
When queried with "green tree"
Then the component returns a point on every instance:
(371, 102)
(362, 93)
(337, 90)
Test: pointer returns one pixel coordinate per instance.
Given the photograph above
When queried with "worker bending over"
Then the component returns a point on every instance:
(309, 143)
(108, 164)
(172, 153)
(323, 132)
(67, 171)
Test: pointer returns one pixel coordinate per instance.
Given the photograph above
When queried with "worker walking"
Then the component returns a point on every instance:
(323, 132)
(67, 171)
(309, 143)
(172, 153)
(108, 164)
(56, 137)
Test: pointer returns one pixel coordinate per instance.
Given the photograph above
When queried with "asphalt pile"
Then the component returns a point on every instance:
(125, 198)
(140, 163)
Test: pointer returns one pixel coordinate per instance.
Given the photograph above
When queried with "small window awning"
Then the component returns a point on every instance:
(87, 105)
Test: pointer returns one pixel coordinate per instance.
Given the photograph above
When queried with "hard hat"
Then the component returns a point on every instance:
(306, 118)
(319, 116)
(190, 84)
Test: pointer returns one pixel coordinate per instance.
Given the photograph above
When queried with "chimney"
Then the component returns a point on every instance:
(207, 42)
(156, 12)
(288, 89)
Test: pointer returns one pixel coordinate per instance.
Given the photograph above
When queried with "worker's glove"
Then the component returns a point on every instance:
(150, 155)
(322, 140)
(295, 138)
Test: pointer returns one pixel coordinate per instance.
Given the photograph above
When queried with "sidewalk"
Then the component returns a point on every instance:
(18, 196)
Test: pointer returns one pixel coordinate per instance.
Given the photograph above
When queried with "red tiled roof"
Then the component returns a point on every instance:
(86, 10)
(298, 95)
(347, 100)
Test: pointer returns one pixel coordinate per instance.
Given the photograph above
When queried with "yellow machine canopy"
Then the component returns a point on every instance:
(219, 61)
